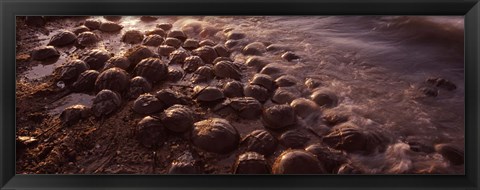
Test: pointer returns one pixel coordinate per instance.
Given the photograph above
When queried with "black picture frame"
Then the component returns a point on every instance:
(9, 9)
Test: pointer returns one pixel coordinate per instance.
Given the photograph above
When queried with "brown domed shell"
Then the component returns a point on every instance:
(221, 50)
(215, 135)
(132, 37)
(257, 62)
(279, 117)
(235, 35)
(334, 117)
(233, 89)
(304, 107)
(191, 44)
(105, 103)
(175, 74)
(109, 26)
(87, 38)
(218, 59)
(260, 141)
(178, 57)
(246, 107)
(251, 163)
(164, 26)
(351, 138)
(86, 81)
(178, 118)
(286, 81)
(165, 50)
(174, 42)
(73, 114)
(207, 53)
(192, 63)
(294, 139)
(117, 61)
(297, 162)
(203, 74)
(148, 18)
(147, 104)
(324, 98)
(138, 53)
(96, 58)
(207, 94)
(289, 56)
(255, 91)
(177, 34)
(72, 69)
(263, 80)
(157, 31)
(92, 24)
(138, 86)
(45, 52)
(115, 79)
(331, 159)
(226, 69)
(255, 48)
(284, 95)
(153, 40)
(62, 38)
(80, 29)
(273, 71)
(453, 154)
(311, 83)
(151, 132)
(207, 42)
(153, 69)
(169, 97)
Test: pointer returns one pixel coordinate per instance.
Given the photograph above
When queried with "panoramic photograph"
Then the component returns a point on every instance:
(274, 95)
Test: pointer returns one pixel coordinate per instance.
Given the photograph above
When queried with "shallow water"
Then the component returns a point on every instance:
(373, 63)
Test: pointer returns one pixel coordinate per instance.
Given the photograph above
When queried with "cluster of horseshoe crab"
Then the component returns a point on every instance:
(219, 85)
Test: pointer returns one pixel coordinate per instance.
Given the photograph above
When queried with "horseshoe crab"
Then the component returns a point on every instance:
(255, 48)
(44, 53)
(226, 69)
(110, 27)
(132, 37)
(169, 97)
(115, 79)
(177, 118)
(221, 50)
(87, 38)
(138, 86)
(62, 38)
(192, 63)
(260, 141)
(73, 114)
(304, 107)
(294, 139)
(177, 34)
(251, 163)
(207, 94)
(324, 98)
(153, 40)
(351, 138)
(151, 132)
(215, 135)
(138, 53)
(157, 31)
(165, 50)
(331, 159)
(289, 56)
(263, 80)
(105, 103)
(191, 44)
(86, 81)
(207, 53)
(153, 69)
(174, 42)
(178, 57)
(245, 107)
(207, 42)
(80, 29)
(96, 58)
(72, 69)
(233, 89)
(255, 91)
(117, 61)
(286, 81)
(297, 162)
(279, 116)
(257, 62)
(164, 26)
(203, 74)
(92, 24)
(147, 104)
